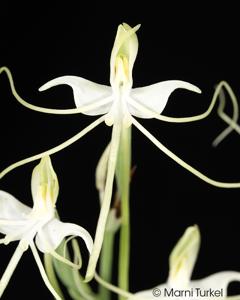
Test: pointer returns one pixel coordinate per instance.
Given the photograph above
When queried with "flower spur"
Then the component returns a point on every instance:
(119, 104)
(20, 222)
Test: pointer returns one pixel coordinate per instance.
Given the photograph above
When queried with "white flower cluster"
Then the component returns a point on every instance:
(119, 104)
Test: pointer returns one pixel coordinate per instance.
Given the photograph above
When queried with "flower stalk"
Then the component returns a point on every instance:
(123, 181)
(106, 263)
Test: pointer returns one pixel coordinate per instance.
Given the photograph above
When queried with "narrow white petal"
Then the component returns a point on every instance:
(55, 231)
(13, 214)
(84, 91)
(217, 281)
(43, 273)
(11, 266)
(155, 96)
(114, 146)
(181, 162)
(55, 149)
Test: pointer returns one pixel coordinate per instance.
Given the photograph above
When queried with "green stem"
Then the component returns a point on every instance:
(106, 260)
(123, 181)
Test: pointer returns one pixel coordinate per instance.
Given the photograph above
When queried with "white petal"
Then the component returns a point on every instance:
(84, 92)
(52, 234)
(11, 208)
(183, 258)
(155, 96)
(13, 215)
(217, 281)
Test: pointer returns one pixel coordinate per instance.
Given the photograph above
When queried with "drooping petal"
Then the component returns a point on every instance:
(44, 186)
(13, 216)
(155, 96)
(11, 208)
(217, 281)
(183, 258)
(84, 91)
(52, 234)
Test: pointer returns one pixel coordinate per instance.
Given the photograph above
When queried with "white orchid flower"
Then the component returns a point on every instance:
(119, 104)
(181, 264)
(24, 224)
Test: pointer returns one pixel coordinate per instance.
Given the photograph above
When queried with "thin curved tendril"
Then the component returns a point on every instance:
(65, 248)
(78, 283)
(57, 256)
(161, 117)
(220, 109)
(65, 260)
(55, 149)
(71, 111)
(106, 201)
(229, 121)
(11, 267)
(182, 162)
(235, 116)
(113, 288)
(76, 250)
(42, 272)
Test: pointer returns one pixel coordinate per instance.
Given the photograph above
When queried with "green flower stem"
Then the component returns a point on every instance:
(106, 260)
(123, 181)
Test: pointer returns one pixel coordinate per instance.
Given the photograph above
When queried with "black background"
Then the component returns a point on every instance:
(194, 43)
